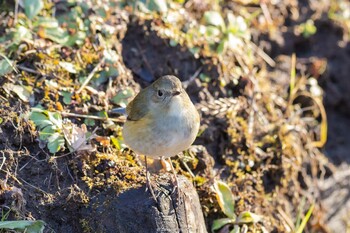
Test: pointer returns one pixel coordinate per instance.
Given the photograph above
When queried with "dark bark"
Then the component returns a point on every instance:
(136, 211)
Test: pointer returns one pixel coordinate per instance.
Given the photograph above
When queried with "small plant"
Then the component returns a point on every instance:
(50, 128)
(307, 29)
(228, 35)
(23, 226)
(226, 202)
(55, 132)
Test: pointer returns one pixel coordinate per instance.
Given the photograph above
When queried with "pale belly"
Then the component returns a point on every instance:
(167, 138)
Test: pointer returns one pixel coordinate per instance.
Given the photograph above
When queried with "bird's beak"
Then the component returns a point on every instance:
(176, 93)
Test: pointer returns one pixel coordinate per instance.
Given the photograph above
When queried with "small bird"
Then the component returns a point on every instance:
(161, 122)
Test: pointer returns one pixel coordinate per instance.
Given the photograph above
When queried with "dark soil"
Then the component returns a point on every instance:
(53, 190)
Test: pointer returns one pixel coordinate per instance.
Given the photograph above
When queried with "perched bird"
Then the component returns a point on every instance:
(161, 121)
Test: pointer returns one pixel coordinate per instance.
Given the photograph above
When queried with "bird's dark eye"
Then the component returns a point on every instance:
(160, 93)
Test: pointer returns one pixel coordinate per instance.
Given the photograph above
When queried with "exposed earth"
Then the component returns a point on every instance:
(64, 190)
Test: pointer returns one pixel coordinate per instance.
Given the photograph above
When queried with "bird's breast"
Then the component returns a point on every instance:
(164, 134)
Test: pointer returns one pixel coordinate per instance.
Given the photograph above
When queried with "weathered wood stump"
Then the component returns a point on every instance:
(136, 211)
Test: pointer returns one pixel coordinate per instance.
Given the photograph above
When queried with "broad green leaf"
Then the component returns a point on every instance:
(56, 119)
(218, 223)
(89, 122)
(20, 34)
(5, 67)
(122, 97)
(102, 114)
(67, 97)
(50, 25)
(23, 225)
(33, 7)
(110, 71)
(248, 217)
(222, 46)
(57, 35)
(76, 39)
(46, 22)
(225, 199)
(214, 18)
(151, 5)
(236, 229)
(40, 119)
(157, 5)
(47, 132)
(55, 143)
(23, 92)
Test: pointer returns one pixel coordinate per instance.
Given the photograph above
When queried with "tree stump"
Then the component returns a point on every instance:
(136, 211)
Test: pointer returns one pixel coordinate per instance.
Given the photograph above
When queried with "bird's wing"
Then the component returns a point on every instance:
(138, 107)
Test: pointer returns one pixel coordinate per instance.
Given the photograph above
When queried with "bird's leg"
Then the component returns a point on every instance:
(148, 181)
(165, 164)
(175, 180)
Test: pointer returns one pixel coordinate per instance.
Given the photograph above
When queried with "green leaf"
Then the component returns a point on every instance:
(308, 28)
(173, 43)
(236, 229)
(40, 119)
(33, 7)
(222, 45)
(20, 34)
(122, 97)
(67, 97)
(89, 122)
(117, 142)
(49, 28)
(151, 5)
(55, 142)
(56, 119)
(102, 114)
(214, 18)
(46, 22)
(157, 5)
(5, 67)
(248, 217)
(76, 39)
(23, 92)
(47, 132)
(225, 199)
(23, 225)
(110, 71)
(218, 223)
(204, 78)
(57, 35)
